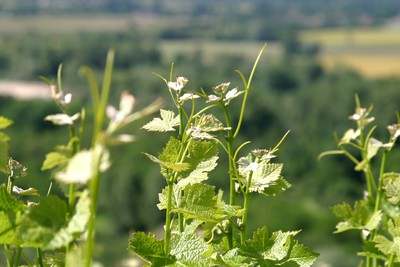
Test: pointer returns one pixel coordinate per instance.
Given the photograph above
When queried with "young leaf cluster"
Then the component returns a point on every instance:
(201, 229)
(377, 215)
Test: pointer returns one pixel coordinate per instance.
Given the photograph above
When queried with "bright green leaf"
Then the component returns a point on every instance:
(203, 159)
(54, 159)
(175, 167)
(302, 255)
(199, 201)
(263, 175)
(4, 137)
(4, 122)
(166, 123)
(391, 187)
(8, 224)
(277, 187)
(232, 258)
(10, 216)
(163, 198)
(3, 157)
(190, 250)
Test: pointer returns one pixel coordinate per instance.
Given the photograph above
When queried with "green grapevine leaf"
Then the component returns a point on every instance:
(7, 202)
(302, 255)
(4, 137)
(4, 122)
(163, 198)
(279, 249)
(84, 165)
(10, 216)
(202, 159)
(277, 187)
(390, 247)
(54, 159)
(166, 123)
(176, 167)
(209, 123)
(391, 187)
(3, 157)
(263, 174)
(149, 249)
(233, 258)
(360, 218)
(200, 202)
(191, 250)
(171, 150)
(45, 225)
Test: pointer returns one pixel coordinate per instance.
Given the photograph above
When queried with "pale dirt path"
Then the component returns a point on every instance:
(24, 90)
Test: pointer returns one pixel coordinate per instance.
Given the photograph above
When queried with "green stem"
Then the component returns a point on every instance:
(380, 185)
(247, 89)
(18, 256)
(167, 235)
(39, 257)
(391, 260)
(243, 231)
(232, 166)
(94, 190)
(9, 262)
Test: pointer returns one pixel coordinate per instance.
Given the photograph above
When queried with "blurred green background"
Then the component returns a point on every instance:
(319, 55)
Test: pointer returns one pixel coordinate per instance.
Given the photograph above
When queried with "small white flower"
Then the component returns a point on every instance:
(67, 99)
(213, 98)
(231, 94)
(179, 84)
(221, 88)
(175, 86)
(125, 138)
(188, 96)
(62, 119)
(182, 80)
(111, 112)
(59, 96)
(126, 103)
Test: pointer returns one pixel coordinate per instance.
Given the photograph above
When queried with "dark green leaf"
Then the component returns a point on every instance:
(361, 218)
(149, 249)
(46, 226)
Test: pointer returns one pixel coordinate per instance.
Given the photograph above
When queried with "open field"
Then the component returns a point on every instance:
(210, 49)
(373, 52)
